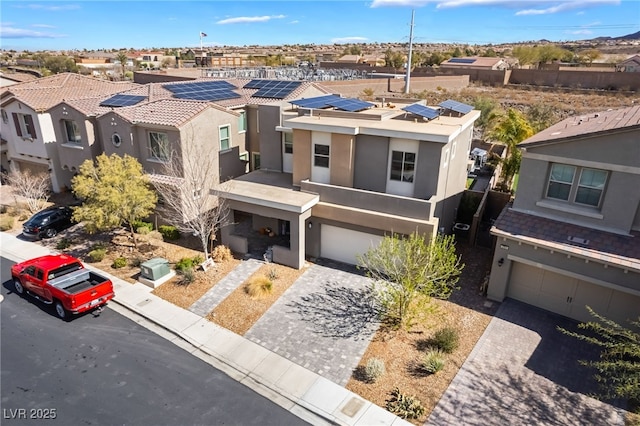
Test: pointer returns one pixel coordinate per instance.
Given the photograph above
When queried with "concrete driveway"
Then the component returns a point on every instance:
(523, 371)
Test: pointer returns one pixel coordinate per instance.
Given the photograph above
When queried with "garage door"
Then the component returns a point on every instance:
(568, 296)
(344, 244)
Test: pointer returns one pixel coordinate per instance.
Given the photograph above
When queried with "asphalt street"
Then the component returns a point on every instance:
(107, 370)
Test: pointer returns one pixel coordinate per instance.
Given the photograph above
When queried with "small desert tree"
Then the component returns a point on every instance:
(511, 129)
(406, 270)
(186, 189)
(115, 191)
(618, 369)
(33, 188)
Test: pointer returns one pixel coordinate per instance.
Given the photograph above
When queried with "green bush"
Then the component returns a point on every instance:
(373, 370)
(143, 230)
(404, 406)
(188, 263)
(7, 223)
(433, 361)
(96, 255)
(119, 262)
(169, 232)
(63, 244)
(446, 339)
(137, 224)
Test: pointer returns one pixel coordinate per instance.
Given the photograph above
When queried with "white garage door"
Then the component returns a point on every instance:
(568, 296)
(344, 244)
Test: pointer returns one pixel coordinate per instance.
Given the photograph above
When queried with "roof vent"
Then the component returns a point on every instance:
(577, 240)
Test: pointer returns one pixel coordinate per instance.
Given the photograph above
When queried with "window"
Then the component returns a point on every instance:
(321, 155)
(158, 146)
(560, 181)
(402, 166)
(72, 130)
(446, 158)
(5, 117)
(288, 143)
(225, 137)
(591, 186)
(587, 191)
(116, 140)
(242, 121)
(24, 125)
(256, 160)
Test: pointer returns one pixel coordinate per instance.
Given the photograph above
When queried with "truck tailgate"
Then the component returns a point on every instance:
(91, 291)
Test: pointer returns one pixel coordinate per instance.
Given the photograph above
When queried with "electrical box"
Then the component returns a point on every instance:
(154, 269)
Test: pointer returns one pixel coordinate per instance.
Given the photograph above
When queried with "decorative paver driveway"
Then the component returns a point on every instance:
(523, 371)
(323, 322)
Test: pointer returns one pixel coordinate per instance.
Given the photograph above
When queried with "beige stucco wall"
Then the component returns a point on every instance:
(301, 155)
(342, 157)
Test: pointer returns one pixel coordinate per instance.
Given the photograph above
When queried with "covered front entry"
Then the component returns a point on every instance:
(567, 295)
(345, 245)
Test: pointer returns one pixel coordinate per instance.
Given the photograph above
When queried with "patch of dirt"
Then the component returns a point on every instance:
(403, 350)
(239, 312)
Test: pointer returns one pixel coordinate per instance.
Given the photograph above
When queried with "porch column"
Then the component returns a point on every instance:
(297, 238)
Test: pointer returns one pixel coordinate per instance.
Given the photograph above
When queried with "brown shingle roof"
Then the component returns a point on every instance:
(44, 93)
(599, 122)
(621, 250)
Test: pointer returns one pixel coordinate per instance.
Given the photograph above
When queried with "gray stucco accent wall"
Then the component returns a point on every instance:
(427, 170)
(370, 168)
(270, 139)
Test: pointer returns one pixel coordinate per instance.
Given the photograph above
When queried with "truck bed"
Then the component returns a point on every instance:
(77, 281)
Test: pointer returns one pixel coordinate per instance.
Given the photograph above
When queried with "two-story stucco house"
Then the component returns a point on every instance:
(31, 132)
(572, 236)
(336, 179)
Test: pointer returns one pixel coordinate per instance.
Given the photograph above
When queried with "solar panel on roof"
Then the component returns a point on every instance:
(276, 89)
(255, 84)
(422, 111)
(462, 60)
(203, 90)
(348, 104)
(456, 106)
(122, 100)
(317, 102)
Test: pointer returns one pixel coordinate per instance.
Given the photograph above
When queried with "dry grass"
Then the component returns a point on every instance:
(239, 311)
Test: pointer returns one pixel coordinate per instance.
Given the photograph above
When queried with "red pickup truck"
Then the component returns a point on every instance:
(63, 281)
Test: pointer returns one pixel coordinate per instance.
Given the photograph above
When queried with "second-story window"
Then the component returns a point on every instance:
(560, 181)
(24, 125)
(242, 121)
(72, 131)
(403, 165)
(587, 190)
(590, 187)
(288, 143)
(158, 146)
(225, 137)
(321, 155)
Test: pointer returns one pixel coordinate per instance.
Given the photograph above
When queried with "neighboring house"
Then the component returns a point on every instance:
(476, 62)
(631, 64)
(337, 179)
(572, 236)
(27, 126)
(350, 59)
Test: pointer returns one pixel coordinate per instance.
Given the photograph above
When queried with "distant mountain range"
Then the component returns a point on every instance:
(634, 36)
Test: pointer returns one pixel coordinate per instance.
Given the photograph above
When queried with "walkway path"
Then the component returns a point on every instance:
(225, 287)
(323, 322)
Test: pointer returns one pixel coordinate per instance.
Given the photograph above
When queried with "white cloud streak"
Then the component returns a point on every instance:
(52, 8)
(524, 7)
(344, 40)
(249, 19)
(9, 31)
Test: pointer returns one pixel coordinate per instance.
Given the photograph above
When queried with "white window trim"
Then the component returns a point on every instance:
(243, 118)
(573, 191)
(402, 171)
(327, 156)
(153, 158)
(230, 144)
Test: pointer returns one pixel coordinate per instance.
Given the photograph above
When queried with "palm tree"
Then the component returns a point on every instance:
(122, 57)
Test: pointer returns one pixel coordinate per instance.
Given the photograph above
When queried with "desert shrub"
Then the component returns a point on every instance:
(446, 339)
(143, 230)
(119, 262)
(155, 235)
(137, 224)
(63, 244)
(7, 223)
(136, 262)
(187, 276)
(97, 254)
(188, 263)
(404, 406)
(3, 208)
(23, 216)
(169, 232)
(258, 287)
(373, 369)
(433, 361)
(221, 254)
(272, 274)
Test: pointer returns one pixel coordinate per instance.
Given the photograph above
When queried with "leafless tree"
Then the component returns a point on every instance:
(33, 189)
(185, 189)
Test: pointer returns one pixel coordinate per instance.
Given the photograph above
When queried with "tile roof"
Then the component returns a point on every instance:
(165, 112)
(47, 92)
(19, 77)
(595, 123)
(621, 250)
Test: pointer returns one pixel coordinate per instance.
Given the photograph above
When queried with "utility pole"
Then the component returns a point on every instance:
(408, 78)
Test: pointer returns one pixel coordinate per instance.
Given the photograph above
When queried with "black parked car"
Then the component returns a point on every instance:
(48, 222)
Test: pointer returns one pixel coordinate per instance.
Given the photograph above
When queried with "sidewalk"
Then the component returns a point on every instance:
(304, 393)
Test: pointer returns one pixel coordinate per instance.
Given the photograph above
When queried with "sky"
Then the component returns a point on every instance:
(89, 24)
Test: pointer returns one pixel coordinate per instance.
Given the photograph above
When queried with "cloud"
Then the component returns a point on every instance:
(579, 32)
(8, 31)
(52, 8)
(563, 6)
(345, 40)
(249, 19)
(542, 7)
(294, 22)
(387, 3)
(42, 26)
